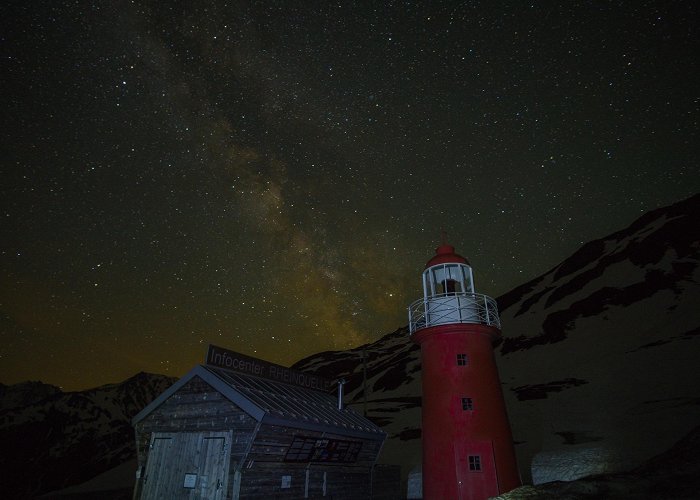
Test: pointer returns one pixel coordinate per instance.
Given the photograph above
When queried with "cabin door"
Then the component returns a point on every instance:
(187, 466)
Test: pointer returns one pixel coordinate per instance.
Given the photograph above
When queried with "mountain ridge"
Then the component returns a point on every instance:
(597, 366)
(65, 438)
(580, 334)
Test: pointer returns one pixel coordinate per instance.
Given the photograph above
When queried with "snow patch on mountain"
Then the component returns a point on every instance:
(598, 369)
(598, 362)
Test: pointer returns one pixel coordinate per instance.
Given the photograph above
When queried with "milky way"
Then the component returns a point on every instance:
(272, 176)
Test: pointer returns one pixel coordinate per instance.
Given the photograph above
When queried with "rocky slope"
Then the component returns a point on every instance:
(25, 394)
(672, 475)
(598, 362)
(598, 367)
(51, 439)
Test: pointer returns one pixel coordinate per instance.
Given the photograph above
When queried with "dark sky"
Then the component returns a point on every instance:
(272, 176)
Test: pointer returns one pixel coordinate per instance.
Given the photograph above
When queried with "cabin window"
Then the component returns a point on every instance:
(461, 360)
(467, 404)
(474, 463)
(300, 450)
(308, 449)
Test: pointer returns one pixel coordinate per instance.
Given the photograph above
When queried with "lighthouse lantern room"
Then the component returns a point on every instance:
(467, 443)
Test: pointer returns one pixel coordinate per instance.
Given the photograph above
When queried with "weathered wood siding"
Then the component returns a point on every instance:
(174, 455)
(344, 483)
(196, 407)
(272, 442)
(257, 452)
(265, 467)
(265, 480)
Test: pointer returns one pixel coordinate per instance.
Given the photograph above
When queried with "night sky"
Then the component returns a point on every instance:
(272, 176)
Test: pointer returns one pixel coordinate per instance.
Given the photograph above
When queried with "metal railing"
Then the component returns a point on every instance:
(448, 308)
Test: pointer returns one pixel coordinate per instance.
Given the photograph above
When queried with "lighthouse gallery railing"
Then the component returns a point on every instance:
(446, 308)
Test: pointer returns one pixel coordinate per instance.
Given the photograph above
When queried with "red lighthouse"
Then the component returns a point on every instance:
(467, 443)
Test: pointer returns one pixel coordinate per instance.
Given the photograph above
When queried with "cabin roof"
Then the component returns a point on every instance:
(277, 403)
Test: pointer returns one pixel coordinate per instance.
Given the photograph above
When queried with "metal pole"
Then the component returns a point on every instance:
(341, 383)
(486, 305)
(364, 381)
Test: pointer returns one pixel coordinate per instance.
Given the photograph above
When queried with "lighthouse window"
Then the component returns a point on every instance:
(475, 463)
(467, 404)
(447, 280)
(468, 286)
(452, 286)
(461, 360)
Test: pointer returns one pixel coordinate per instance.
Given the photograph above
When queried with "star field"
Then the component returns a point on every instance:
(271, 177)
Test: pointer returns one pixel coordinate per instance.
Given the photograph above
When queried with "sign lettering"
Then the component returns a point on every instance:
(219, 357)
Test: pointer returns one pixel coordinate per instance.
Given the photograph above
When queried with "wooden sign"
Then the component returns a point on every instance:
(223, 358)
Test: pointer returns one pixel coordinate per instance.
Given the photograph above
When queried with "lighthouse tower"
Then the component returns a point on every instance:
(467, 443)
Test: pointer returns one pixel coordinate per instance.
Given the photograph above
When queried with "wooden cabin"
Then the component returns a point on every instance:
(238, 427)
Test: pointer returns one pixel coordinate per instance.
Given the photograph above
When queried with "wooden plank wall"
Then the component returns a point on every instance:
(265, 466)
(197, 407)
(179, 453)
(264, 481)
(272, 441)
